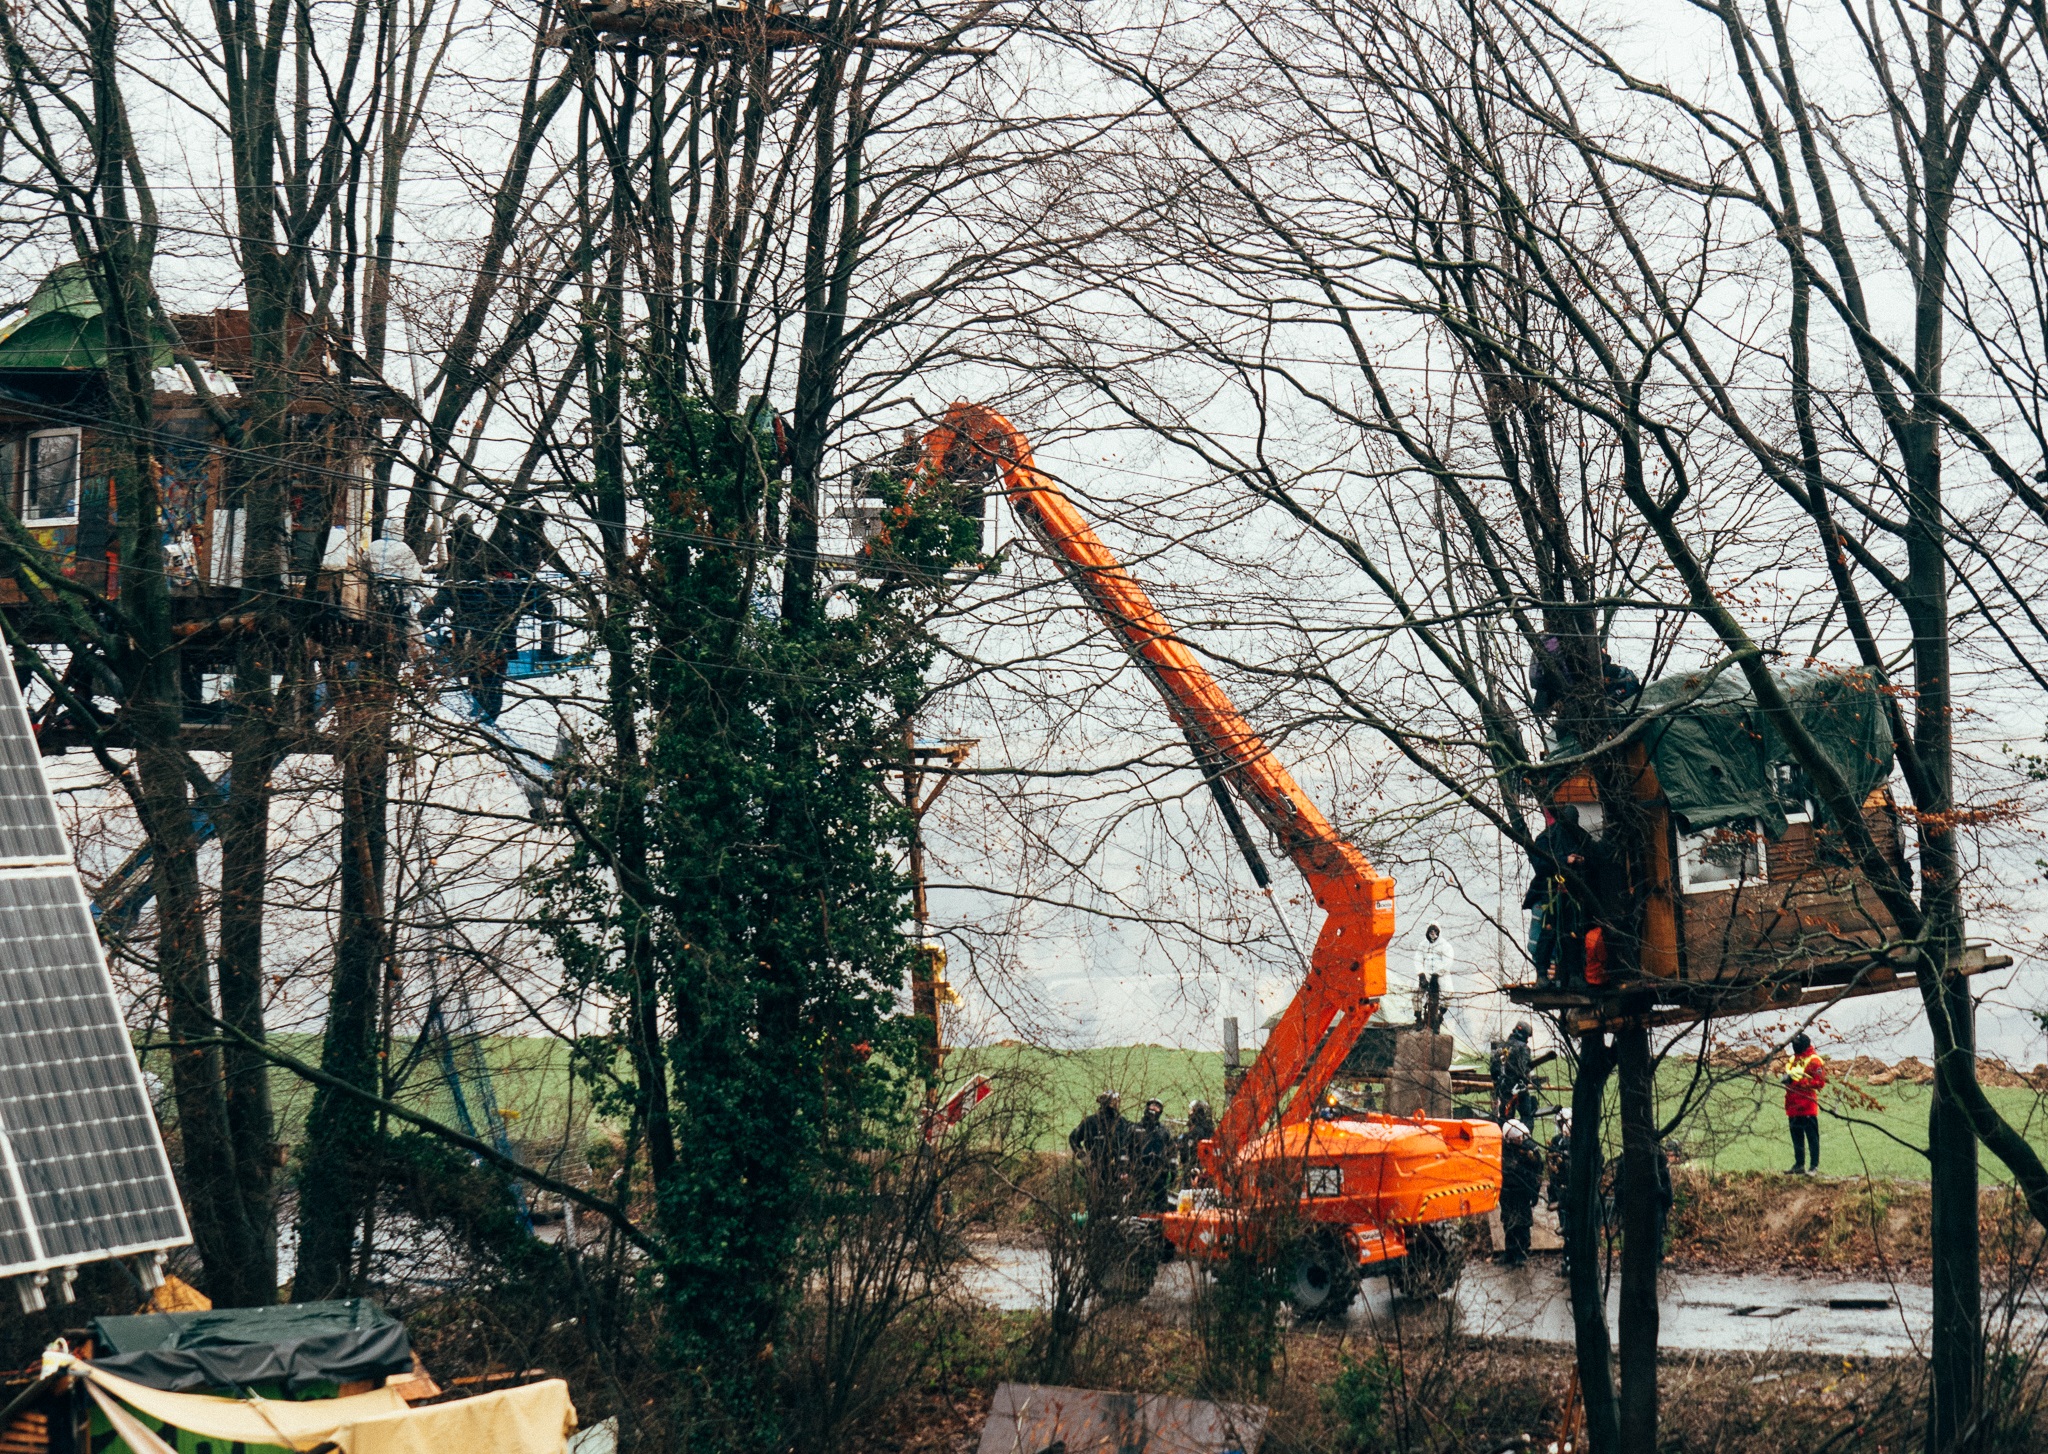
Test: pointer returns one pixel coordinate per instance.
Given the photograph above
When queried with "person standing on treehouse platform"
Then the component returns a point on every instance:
(1805, 1073)
(1563, 857)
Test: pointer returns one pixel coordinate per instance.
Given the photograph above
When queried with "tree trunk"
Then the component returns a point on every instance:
(207, 1161)
(1582, 1248)
(604, 371)
(1957, 1362)
(244, 827)
(152, 678)
(1957, 1365)
(337, 1173)
(1641, 1241)
(826, 265)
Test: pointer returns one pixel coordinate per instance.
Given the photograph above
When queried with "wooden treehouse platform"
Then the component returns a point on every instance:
(1659, 1001)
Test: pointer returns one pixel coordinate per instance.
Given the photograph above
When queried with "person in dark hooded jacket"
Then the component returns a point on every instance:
(1104, 1142)
(1565, 861)
(1201, 1127)
(1513, 1095)
(1557, 1188)
(1152, 1157)
(1521, 1182)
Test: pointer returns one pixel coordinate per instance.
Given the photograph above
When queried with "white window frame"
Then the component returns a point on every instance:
(224, 547)
(1804, 812)
(1689, 859)
(1324, 1181)
(27, 468)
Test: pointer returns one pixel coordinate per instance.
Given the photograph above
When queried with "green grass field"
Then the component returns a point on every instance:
(529, 1079)
(1739, 1125)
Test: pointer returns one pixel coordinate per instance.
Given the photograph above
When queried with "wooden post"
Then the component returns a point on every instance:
(929, 991)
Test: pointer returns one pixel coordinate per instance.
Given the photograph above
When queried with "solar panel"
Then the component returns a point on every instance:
(29, 829)
(83, 1173)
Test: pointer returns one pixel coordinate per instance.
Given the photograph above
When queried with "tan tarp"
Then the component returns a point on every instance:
(294, 1425)
(534, 1419)
(138, 1436)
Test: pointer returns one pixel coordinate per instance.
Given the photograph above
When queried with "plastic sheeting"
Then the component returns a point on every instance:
(536, 1418)
(1716, 757)
(295, 1347)
(279, 1423)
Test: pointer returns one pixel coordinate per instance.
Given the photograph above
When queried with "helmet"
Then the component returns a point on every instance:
(1194, 1106)
(1564, 1118)
(1110, 1098)
(1514, 1131)
(1521, 1030)
(1801, 1043)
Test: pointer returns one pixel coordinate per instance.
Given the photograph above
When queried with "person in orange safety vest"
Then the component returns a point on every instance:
(1805, 1073)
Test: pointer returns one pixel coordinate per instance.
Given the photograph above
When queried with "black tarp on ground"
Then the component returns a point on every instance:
(298, 1347)
(1714, 756)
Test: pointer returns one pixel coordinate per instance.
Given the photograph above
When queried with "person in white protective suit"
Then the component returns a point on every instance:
(1438, 956)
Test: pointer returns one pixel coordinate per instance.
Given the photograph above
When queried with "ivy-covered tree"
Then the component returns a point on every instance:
(765, 937)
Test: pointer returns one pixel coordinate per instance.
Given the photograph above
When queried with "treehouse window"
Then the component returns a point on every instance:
(49, 479)
(1789, 786)
(1721, 858)
(1326, 1181)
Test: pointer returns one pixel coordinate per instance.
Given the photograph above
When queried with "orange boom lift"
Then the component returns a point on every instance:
(1338, 1196)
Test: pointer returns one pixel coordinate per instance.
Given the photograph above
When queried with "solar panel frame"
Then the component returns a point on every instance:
(84, 1175)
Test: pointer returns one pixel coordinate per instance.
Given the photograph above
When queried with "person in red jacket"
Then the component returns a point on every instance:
(1804, 1075)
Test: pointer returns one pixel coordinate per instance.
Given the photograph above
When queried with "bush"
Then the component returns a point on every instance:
(1358, 1400)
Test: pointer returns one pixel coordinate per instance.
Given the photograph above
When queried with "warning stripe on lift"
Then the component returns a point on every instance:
(1456, 1191)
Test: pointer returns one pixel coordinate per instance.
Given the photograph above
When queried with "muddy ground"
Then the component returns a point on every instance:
(1846, 1226)
(1357, 1388)
(1339, 1393)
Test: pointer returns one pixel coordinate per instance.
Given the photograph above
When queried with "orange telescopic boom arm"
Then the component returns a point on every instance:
(1348, 970)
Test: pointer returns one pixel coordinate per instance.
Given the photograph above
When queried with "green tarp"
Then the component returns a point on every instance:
(302, 1349)
(61, 328)
(1718, 760)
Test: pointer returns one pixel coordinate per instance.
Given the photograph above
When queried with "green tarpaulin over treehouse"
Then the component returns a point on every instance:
(61, 329)
(1718, 760)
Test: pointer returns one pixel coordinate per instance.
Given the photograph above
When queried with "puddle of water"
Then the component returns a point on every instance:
(1705, 1312)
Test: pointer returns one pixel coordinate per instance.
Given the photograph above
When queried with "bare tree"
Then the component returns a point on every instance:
(1413, 271)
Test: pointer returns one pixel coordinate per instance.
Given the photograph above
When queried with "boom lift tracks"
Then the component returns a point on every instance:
(1337, 1196)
